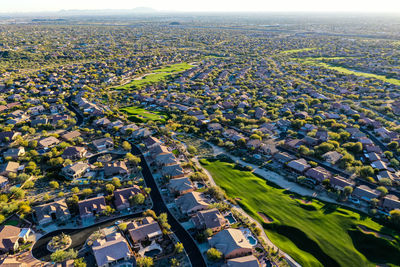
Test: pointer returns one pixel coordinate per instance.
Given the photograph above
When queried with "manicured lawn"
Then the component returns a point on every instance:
(157, 75)
(312, 232)
(317, 62)
(137, 114)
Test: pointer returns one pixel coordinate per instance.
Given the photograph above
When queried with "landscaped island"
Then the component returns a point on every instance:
(314, 233)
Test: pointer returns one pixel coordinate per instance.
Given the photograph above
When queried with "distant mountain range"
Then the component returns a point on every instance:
(67, 12)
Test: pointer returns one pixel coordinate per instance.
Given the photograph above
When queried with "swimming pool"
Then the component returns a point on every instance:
(252, 240)
(230, 218)
(152, 253)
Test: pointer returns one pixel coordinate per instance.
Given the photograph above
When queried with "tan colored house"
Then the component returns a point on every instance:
(48, 142)
(116, 168)
(75, 170)
(145, 229)
(55, 211)
(111, 249)
(181, 186)
(103, 144)
(9, 167)
(91, 207)
(209, 219)
(232, 243)
(246, 261)
(14, 153)
(74, 153)
(10, 237)
(192, 202)
(122, 196)
(71, 135)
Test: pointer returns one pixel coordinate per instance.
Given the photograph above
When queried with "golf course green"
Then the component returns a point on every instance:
(314, 233)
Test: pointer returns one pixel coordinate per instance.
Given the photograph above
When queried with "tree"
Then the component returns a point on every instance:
(126, 146)
(393, 145)
(175, 262)
(383, 190)
(348, 190)
(216, 192)
(191, 149)
(122, 226)
(54, 184)
(132, 159)
(150, 213)
(75, 190)
(116, 182)
(79, 263)
(138, 199)
(395, 216)
(87, 191)
(63, 255)
(179, 247)
(110, 188)
(144, 262)
(214, 254)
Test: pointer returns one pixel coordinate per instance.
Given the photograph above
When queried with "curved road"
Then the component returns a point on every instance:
(195, 256)
(79, 236)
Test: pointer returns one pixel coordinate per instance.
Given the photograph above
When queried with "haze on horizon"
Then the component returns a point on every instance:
(364, 6)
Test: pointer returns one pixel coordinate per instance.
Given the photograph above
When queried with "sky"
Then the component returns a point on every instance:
(390, 6)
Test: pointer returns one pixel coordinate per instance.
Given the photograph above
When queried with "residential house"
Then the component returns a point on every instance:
(51, 212)
(116, 168)
(151, 142)
(245, 261)
(214, 127)
(192, 202)
(365, 193)
(10, 236)
(122, 196)
(103, 144)
(14, 153)
(283, 157)
(102, 122)
(74, 153)
(209, 219)
(380, 165)
(165, 159)
(8, 136)
(69, 136)
(75, 170)
(141, 133)
(232, 243)
(111, 249)
(180, 186)
(144, 229)
(173, 171)
(9, 167)
(332, 157)
(91, 207)
(339, 183)
(318, 173)
(391, 202)
(48, 142)
(299, 165)
(3, 181)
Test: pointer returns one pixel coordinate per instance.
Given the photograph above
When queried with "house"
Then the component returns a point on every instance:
(232, 243)
(111, 249)
(9, 167)
(48, 142)
(173, 171)
(214, 127)
(151, 142)
(391, 202)
(8, 136)
(102, 122)
(339, 183)
(158, 149)
(74, 153)
(209, 219)
(180, 186)
(122, 196)
(91, 207)
(332, 157)
(365, 193)
(318, 173)
(165, 159)
(245, 261)
(75, 170)
(71, 135)
(55, 211)
(144, 229)
(117, 124)
(103, 144)
(294, 144)
(3, 181)
(141, 133)
(14, 153)
(380, 165)
(283, 157)
(116, 168)
(10, 236)
(125, 128)
(192, 202)
(299, 165)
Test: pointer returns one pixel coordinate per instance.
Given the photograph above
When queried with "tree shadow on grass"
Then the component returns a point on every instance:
(329, 208)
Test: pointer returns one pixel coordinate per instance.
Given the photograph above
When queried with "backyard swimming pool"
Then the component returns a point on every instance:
(230, 218)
